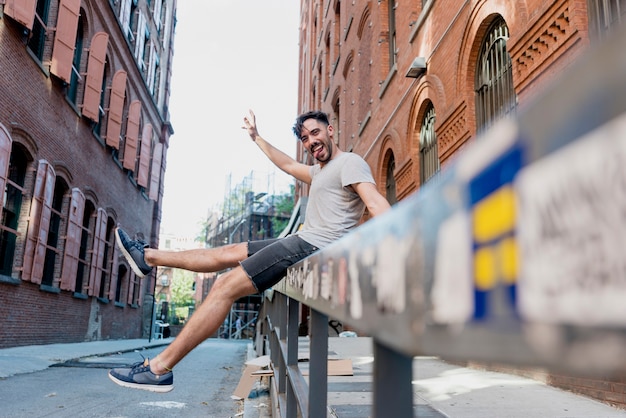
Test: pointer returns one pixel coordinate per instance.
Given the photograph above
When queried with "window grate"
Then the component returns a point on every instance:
(429, 155)
(495, 94)
(390, 184)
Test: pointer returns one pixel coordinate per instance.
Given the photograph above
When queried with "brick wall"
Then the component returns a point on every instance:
(33, 316)
(38, 116)
(546, 37)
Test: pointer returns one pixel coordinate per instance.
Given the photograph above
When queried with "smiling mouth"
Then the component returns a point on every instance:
(316, 150)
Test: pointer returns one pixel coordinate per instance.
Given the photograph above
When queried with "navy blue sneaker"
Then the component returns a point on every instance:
(139, 376)
(133, 250)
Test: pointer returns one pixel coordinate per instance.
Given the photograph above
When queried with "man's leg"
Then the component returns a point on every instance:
(204, 260)
(206, 319)
(143, 259)
(156, 374)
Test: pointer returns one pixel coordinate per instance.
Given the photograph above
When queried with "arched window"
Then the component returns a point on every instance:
(390, 182)
(122, 279)
(107, 260)
(57, 218)
(429, 154)
(86, 238)
(14, 194)
(495, 95)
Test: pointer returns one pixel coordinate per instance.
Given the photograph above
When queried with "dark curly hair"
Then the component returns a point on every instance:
(314, 114)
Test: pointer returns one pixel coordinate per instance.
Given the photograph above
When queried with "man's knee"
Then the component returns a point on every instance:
(234, 284)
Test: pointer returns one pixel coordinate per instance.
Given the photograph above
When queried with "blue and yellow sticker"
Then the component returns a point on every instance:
(494, 246)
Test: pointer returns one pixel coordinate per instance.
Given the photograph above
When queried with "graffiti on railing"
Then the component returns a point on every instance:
(366, 269)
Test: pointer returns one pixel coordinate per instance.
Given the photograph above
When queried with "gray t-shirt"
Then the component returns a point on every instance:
(334, 208)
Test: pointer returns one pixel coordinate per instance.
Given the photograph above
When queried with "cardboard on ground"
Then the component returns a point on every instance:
(258, 367)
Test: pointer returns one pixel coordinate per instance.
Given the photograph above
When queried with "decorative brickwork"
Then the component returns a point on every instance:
(546, 38)
(453, 131)
(405, 179)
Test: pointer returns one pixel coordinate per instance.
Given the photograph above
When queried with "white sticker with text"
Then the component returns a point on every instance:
(572, 232)
(453, 291)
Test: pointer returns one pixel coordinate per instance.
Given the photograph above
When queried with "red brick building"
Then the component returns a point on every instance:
(474, 61)
(84, 131)
(409, 83)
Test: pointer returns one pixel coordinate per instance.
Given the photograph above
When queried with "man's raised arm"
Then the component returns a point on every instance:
(281, 160)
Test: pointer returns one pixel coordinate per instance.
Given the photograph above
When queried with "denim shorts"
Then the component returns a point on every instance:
(269, 259)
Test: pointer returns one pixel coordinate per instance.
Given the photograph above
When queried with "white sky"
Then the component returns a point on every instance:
(229, 57)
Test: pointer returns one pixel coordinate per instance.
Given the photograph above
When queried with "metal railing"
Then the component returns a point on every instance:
(513, 255)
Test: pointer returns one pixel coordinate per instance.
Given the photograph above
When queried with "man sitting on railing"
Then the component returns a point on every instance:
(342, 186)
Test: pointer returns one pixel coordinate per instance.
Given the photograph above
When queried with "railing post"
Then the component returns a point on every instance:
(292, 354)
(318, 365)
(393, 392)
(282, 322)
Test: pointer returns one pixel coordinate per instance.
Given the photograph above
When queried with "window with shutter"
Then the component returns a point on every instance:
(97, 127)
(142, 290)
(22, 11)
(105, 267)
(95, 74)
(144, 156)
(125, 15)
(71, 253)
(133, 287)
(152, 66)
(122, 280)
(132, 135)
(86, 240)
(65, 39)
(116, 109)
(12, 175)
(158, 6)
(75, 77)
(50, 274)
(5, 155)
(114, 288)
(39, 222)
(155, 175)
(97, 253)
(39, 31)
(140, 41)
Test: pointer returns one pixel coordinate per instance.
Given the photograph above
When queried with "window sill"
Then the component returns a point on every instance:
(115, 156)
(9, 280)
(385, 84)
(49, 289)
(80, 296)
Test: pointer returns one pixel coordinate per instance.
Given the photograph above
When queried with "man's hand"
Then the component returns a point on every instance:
(249, 124)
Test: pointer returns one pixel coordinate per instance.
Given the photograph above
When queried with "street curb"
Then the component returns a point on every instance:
(29, 359)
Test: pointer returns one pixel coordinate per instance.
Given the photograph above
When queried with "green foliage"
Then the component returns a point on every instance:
(181, 288)
(283, 207)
